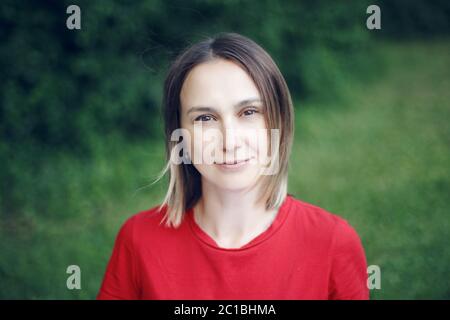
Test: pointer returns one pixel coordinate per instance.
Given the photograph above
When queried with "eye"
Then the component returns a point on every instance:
(249, 112)
(203, 117)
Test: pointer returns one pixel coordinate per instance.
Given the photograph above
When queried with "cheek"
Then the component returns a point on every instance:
(205, 144)
(257, 141)
(260, 138)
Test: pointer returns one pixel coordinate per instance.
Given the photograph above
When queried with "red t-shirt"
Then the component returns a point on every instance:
(306, 253)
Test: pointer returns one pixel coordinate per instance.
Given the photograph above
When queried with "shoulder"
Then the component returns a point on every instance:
(315, 216)
(149, 218)
(145, 226)
(320, 224)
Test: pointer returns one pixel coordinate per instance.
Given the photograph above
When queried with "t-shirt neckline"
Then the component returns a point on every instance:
(276, 224)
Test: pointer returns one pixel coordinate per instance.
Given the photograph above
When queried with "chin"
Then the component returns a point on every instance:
(233, 182)
(233, 187)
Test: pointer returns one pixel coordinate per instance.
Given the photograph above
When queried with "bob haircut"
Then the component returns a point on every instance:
(184, 188)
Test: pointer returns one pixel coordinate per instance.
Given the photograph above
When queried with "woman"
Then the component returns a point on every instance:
(231, 230)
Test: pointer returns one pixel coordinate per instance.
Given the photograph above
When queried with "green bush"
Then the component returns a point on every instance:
(64, 88)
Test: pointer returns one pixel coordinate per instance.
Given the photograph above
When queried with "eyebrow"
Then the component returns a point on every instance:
(236, 106)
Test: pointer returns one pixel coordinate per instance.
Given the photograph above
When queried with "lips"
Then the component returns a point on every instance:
(236, 165)
(231, 163)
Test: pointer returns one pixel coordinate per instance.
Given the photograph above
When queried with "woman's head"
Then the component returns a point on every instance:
(229, 101)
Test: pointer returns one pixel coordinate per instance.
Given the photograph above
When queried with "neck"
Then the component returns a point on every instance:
(232, 218)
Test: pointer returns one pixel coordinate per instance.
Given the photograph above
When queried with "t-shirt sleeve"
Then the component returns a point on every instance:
(348, 275)
(120, 279)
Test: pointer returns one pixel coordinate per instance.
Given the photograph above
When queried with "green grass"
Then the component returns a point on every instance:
(71, 214)
(382, 163)
(378, 158)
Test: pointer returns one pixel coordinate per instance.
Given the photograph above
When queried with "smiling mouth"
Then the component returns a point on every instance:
(232, 163)
(237, 165)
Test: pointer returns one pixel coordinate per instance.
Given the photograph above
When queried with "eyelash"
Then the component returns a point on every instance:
(207, 115)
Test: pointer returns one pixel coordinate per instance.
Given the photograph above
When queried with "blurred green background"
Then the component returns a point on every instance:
(81, 129)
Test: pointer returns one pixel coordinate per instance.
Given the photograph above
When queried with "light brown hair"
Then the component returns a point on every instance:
(184, 188)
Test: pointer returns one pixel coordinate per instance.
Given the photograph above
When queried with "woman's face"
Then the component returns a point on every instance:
(223, 112)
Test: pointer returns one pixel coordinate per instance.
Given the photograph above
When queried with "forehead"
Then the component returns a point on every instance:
(218, 83)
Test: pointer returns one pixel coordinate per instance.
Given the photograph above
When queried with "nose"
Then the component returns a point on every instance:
(231, 136)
